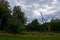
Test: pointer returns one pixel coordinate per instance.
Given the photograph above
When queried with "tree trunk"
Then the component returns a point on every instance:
(1, 20)
(49, 27)
(43, 22)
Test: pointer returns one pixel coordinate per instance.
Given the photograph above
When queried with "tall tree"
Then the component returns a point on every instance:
(4, 12)
(17, 21)
(43, 21)
(17, 13)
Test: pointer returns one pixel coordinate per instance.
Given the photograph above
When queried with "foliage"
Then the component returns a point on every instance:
(17, 13)
(4, 13)
(16, 23)
(34, 26)
(55, 25)
(13, 25)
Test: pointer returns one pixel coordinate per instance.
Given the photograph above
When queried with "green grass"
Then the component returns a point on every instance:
(26, 37)
(29, 36)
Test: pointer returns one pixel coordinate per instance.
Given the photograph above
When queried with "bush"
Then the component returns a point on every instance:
(14, 26)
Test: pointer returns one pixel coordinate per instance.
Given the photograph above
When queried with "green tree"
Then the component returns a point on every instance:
(13, 25)
(17, 13)
(16, 21)
(34, 26)
(55, 25)
(4, 13)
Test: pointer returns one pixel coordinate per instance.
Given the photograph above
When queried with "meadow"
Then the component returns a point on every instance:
(30, 36)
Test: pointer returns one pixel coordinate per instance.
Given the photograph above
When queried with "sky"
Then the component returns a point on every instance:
(33, 8)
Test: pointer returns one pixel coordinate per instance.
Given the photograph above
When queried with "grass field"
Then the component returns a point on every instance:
(41, 36)
(28, 38)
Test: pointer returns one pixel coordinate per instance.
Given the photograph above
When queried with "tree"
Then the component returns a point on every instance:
(13, 25)
(34, 26)
(55, 25)
(46, 26)
(43, 22)
(4, 13)
(17, 13)
(17, 21)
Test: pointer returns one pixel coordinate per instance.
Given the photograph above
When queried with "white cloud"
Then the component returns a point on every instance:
(32, 8)
(36, 13)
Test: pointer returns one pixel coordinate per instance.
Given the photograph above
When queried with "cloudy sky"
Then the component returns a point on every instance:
(33, 8)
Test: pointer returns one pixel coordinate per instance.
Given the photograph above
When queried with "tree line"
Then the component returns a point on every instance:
(16, 23)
